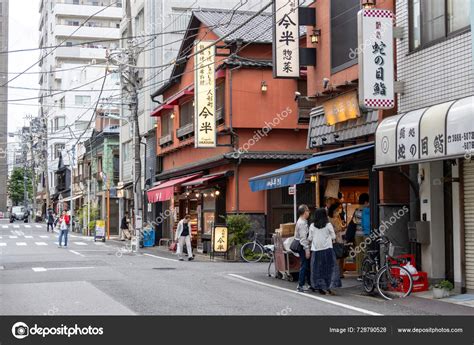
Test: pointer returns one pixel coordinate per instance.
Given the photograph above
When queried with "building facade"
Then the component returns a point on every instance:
(3, 103)
(210, 183)
(434, 62)
(72, 77)
(158, 27)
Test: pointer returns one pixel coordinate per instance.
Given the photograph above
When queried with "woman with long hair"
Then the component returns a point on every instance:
(324, 269)
(334, 213)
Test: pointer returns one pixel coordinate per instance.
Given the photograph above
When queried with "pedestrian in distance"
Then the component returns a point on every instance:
(50, 219)
(361, 219)
(183, 235)
(301, 235)
(324, 269)
(124, 227)
(64, 221)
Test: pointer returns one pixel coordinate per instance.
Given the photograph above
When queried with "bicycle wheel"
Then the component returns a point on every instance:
(368, 276)
(393, 282)
(251, 252)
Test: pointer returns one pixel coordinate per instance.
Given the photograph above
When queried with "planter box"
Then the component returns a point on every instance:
(440, 293)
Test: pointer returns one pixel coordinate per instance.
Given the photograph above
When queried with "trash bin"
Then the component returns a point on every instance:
(148, 238)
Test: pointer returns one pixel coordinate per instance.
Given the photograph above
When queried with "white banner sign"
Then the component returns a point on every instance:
(286, 54)
(376, 65)
(204, 95)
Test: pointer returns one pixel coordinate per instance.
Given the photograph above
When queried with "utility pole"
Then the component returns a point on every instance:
(132, 82)
(44, 148)
(72, 164)
(33, 175)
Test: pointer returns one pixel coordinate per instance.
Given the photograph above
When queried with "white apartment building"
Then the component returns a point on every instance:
(169, 19)
(72, 75)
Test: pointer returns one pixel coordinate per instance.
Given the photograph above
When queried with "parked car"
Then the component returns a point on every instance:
(18, 213)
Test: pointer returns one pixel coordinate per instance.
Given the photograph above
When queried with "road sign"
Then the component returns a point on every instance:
(292, 190)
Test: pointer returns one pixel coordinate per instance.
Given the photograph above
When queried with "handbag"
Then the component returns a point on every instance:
(296, 246)
(173, 246)
(339, 250)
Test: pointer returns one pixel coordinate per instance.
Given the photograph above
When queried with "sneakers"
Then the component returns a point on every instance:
(300, 289)
(191, 258)
(181, 259)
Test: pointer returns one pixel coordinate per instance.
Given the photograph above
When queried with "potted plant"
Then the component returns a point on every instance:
(238, 225)
(442, 289)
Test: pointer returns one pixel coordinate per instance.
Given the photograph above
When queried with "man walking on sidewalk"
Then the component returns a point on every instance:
(183, 234)
(124, 226)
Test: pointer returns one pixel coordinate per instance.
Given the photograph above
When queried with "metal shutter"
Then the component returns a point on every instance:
(469, 222)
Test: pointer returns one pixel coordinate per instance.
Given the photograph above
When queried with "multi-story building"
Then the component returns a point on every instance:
(76, 36)
(3, 102)
(158, 27)
(434, 63)
(210, 183)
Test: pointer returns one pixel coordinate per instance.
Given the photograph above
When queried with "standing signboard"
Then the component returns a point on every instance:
(286, 55)
(376, 63)
(99, 230)
(204, 95)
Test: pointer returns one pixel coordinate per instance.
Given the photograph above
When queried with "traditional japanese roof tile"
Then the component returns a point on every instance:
(364, 125)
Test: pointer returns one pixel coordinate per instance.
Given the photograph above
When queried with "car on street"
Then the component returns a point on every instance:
(18, 213)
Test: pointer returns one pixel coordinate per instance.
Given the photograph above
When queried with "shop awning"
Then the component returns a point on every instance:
(201, 180)
(295, 173)
(72, 198)
(165, 190)
(442, 131)
(173, 100)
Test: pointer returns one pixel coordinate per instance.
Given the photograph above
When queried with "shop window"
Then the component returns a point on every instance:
(166, 124)
(343, 33)
(434, 20)
(186, 112)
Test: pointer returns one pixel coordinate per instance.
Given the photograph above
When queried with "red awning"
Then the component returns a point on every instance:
(202, 180)
(174, 100)
(165, 190)
(159, 110)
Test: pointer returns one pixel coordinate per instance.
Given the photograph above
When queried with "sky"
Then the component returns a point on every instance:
(23, 33)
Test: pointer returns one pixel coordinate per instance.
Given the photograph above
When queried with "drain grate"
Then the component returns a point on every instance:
(164, 268)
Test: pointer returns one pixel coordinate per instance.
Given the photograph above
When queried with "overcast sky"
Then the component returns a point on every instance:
(23, 34)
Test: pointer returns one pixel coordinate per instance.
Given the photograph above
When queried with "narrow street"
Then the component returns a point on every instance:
(95, 278)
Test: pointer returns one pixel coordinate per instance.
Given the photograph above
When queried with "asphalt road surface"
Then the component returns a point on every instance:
(95, 278)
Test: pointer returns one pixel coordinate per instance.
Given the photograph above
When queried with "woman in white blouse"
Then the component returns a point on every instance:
(324, 269)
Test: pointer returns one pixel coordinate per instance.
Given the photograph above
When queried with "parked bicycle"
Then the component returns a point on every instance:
(254, 251)
(392, 280)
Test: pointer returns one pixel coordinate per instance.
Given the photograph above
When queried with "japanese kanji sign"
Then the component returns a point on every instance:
(286, 55)
(341, 108)
(204, 95)
(220, 239)
(376, 65)
(442, 131)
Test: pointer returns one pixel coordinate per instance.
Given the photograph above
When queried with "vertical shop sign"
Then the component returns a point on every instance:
(376, 65)
(204, 95)
(286, 55)
(220, 239)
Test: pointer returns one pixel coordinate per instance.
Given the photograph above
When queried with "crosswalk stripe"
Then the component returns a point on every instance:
(44, 236)
(27, 236)
(21, 244)
(80, 243)
(11, 236)
(38, 226)
(5, 226)
(27, 226)
(16, 226)
(2, 244)
(41, 243)
(0, 237)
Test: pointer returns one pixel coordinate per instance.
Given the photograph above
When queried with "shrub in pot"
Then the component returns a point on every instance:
(442, 289)
(238, 225)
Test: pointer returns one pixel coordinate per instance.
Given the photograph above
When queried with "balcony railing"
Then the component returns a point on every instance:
(166, 140)
(185, 131)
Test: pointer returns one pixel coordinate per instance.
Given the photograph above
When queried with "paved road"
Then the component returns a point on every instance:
(95, 278)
